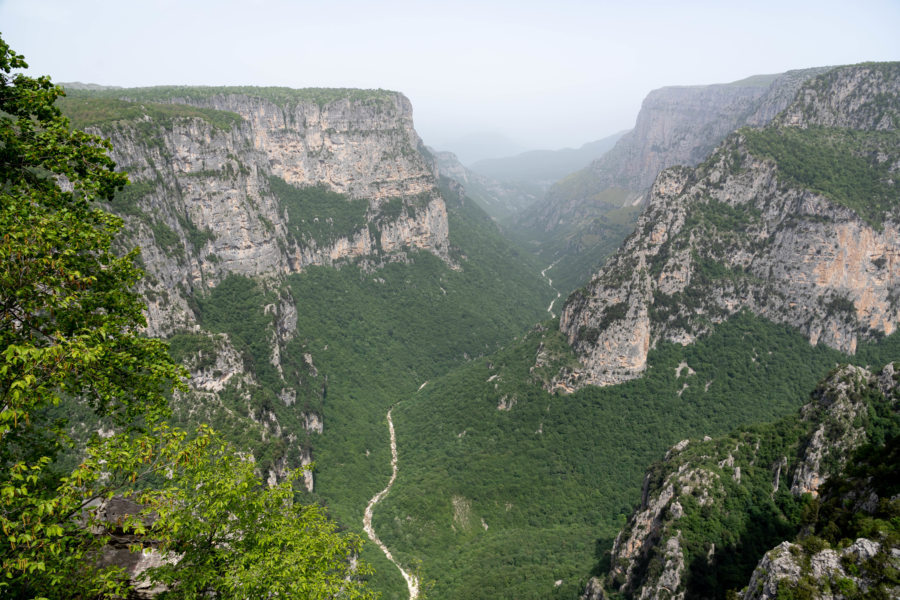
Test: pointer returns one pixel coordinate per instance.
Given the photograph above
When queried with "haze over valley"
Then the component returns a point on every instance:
(578, 302)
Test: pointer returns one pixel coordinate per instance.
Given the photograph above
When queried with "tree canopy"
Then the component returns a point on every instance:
(70, 334)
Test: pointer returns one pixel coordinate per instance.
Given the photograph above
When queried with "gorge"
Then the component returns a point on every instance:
(312, 263)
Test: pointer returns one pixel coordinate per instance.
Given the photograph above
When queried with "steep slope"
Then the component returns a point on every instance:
(308, 266)
(230, 184)
(589, 213)
(506, 487)
(553, 477)
(797, 222)
(713, 508)
(220, 180)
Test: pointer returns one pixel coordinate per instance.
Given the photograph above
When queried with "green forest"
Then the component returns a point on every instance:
(505, 490)
(549, 477)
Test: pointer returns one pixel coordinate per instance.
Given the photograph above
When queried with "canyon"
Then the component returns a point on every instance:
(313, 264)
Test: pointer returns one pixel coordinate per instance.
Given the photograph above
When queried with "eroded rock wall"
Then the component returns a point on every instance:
(737, 234)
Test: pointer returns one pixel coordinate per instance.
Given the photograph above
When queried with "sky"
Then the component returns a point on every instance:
(547, 74)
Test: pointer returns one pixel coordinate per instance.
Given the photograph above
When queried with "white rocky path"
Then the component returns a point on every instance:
(550, 283)
(412, 582)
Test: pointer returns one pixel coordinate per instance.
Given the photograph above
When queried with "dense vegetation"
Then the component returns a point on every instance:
(505, 490)
(374, 336)
(88, 111)
(282, 96)
(728, 524)
(317, 214)
(466, 464)
(71, 347)
(577, 251)
(850, 167)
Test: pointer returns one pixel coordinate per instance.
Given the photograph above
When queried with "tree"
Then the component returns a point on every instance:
(228, 535)
(69, 321)
(70, 334)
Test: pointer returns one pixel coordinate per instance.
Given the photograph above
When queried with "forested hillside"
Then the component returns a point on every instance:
(311, 269)
(586, 215)
(499, 478)
(518, 464)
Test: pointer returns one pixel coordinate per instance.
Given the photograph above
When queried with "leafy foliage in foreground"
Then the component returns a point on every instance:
(67, 321)
(237, 537)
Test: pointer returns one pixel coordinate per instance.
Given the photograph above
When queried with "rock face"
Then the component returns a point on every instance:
(209, 206)
(134, 554)
(676, 126)
(712, 503)
(585, 216)
(838, 413)
(740, 232)
(825, 574)
(261, 183)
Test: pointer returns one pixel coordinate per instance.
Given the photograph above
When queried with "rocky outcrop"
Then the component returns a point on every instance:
(261, 183)
(594, 590)
(826, 574)
(652, 534)
(587, 215)
(702, 484)
(203, 203)
(737, 233)
(675, 126)
(838, 413)
(123, 549)
(862, 97)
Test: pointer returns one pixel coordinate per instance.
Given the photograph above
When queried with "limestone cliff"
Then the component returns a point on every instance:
(260, 183)
(714, 507)
(771, 222)
(585, 216)
(677, 125)
(207, 201)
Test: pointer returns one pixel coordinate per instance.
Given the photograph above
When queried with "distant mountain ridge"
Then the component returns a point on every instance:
(479, 145)
(500, 199)
(586, 215)
(677, 125)
(798, 222)
(544, 167)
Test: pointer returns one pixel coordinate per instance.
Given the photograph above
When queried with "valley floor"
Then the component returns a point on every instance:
(412, 582)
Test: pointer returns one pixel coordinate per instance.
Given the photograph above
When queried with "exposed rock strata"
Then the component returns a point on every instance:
(206, 202)
(649, 559)
(676, 126)
(828, 574)
(210, 189)
(734, 234)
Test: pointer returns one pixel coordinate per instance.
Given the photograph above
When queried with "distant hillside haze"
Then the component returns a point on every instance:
(545, 167)
(473, 147)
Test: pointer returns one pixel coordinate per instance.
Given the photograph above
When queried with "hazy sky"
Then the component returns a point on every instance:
(546, 74)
